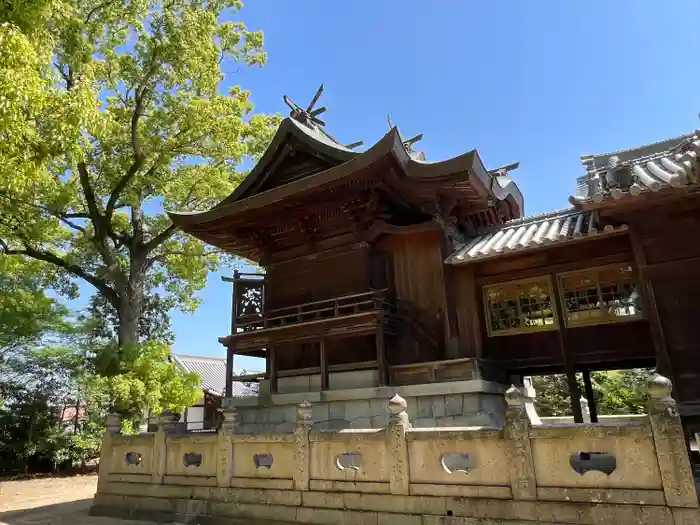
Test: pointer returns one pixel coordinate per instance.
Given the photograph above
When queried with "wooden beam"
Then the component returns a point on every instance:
(324, 364)
(582, 264)
(569, 365)
(651, 310)
(588, 388)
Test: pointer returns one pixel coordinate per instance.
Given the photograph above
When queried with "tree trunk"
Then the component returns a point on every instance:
(130, 306)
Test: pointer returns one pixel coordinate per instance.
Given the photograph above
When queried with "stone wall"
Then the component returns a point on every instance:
(458, 403)
(634, 472)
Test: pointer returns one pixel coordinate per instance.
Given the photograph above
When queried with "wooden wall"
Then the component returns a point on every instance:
(613, 343)
(417, 278)
(418, 270)
(670, 246)
(323, 275)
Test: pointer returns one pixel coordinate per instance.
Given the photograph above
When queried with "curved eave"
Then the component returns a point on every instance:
(466, 167)
(315, 140)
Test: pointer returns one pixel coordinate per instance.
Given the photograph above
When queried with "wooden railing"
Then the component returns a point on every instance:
(315, 311)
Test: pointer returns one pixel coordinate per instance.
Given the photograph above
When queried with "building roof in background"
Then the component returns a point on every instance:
(670, 163)
(212, 370)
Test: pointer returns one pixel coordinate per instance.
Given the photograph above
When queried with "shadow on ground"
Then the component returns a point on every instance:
(70, 512)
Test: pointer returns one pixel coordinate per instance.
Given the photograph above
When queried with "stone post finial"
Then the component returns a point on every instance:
(514, 397)
(304, 411)
(229, 416)
(397, 404)
(113, 422)
(659, 388)
(585, 410)
(167, 421)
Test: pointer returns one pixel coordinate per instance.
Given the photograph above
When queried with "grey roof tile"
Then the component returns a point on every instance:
(212, 370)
(670, 163)
(531, 232)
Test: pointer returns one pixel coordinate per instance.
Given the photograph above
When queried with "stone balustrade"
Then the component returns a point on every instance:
(595, 474)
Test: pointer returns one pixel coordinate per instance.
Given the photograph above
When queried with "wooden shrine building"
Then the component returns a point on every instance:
(427, 272)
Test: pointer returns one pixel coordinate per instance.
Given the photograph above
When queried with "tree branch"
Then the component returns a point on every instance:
(160, 238)
(89, 193)
(46, 256)
(140, 95)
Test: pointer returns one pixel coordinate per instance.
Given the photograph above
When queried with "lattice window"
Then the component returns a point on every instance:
(519, 307)
(600, 295)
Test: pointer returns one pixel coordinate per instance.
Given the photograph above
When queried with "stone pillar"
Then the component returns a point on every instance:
(166, 424)
(398, 447)
(302, 427)
(585, 410)
(517, 434)
(671, 448)
(113, 423)
(224, 446)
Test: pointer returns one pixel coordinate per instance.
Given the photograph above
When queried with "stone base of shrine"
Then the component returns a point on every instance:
(214, 506)
(448, 404)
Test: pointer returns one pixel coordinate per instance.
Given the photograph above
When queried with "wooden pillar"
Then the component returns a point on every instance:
(272, 368)
(470, 332)
(381, 355)
(229, 371)
(651, 311)
(324, 364)
(448, 282)
(569, 366)
(588, 388)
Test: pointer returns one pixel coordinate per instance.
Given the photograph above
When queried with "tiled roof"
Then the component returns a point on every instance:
(212, 370)
(670, 163)
(531, 232)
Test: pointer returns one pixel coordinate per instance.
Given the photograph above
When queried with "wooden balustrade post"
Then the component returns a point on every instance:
(113, 425)
(518, 446)
(302, 428)
(671, 448)
(399, 476)
(224, 445)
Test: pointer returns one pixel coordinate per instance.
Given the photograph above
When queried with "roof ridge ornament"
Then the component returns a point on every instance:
(504, 170)
(408, 144)
(309, 117)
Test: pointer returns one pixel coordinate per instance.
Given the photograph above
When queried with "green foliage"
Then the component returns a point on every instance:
(615, 392)
(109, 112)
(25, 311)
(139, 379)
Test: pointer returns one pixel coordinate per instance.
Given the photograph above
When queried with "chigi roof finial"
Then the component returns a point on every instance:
(408, 144)
(309, 116)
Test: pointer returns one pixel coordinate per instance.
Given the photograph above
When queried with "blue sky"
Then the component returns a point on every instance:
(540, 82)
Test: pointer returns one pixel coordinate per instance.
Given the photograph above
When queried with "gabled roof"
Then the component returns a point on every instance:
(318, 142)
(671, 163)
(454, 171)
(529, 233)
(212, 370)
(329, 165)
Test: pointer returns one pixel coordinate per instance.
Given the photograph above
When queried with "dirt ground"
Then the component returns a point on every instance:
(53, 501)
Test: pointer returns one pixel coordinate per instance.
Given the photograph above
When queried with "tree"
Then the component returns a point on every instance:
(102, 321)
(27, 314)
(111, 111)
(614, 391)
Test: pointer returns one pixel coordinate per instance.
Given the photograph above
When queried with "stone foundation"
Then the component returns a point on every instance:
(354, 404)
(622, 473)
